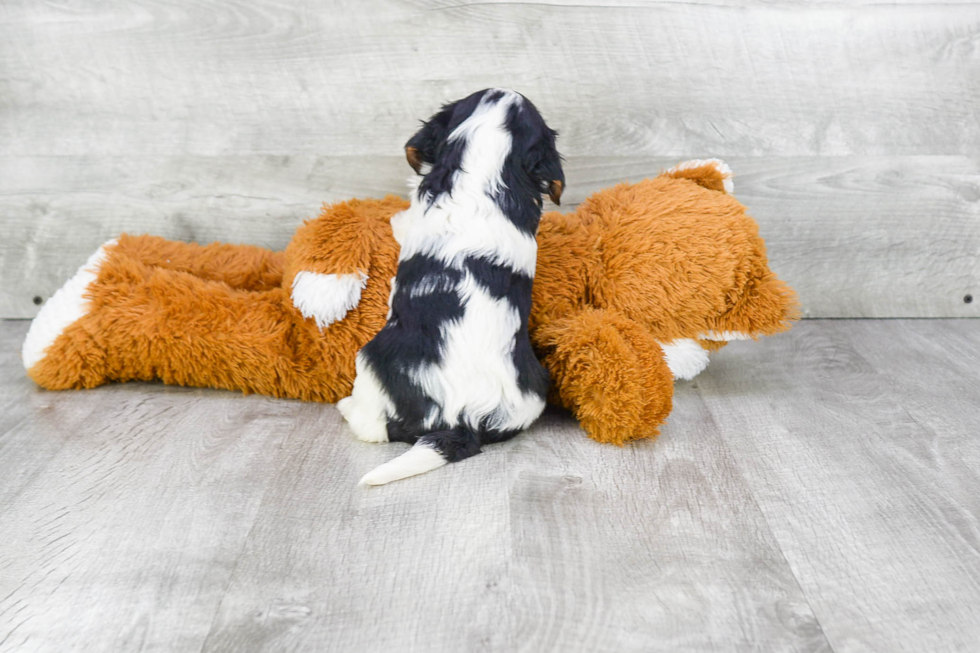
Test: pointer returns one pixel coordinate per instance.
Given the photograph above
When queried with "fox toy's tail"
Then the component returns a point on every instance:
(429, 452)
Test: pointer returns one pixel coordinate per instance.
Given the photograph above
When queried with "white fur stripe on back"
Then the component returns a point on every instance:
(468, 222)
(481, 232)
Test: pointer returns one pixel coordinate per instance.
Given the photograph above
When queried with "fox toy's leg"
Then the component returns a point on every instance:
(82, 319)
(245, 267)
(610, 372)
(138, 322)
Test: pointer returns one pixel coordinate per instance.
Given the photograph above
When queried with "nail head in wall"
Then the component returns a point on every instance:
(968, 299)
(38, 300)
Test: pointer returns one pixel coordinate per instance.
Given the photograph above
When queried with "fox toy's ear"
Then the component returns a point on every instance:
(424, 146)
(544, 167)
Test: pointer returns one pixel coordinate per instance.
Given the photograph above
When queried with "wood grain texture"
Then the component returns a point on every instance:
(854, 441)
(815, 491)
(59, 210)
(854, 126)
(370, 571)
(856, 236)
(124, 511)
(548, 543)
(654, 547)
(22, 458)
(158, 77)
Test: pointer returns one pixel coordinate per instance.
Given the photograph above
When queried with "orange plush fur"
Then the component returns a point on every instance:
(634, 268)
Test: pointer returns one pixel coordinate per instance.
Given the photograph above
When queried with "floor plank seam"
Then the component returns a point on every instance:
(125, 511)
(241, 552)
(765, 520)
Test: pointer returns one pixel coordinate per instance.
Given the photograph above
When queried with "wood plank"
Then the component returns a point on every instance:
(416, 566)
(871, 237)
(933, 370)
(13, 390)
(856, 236)
(875, 509)
(654, 547)
(59, 210)
(655, 79)
(126, 534)
(26, 421)
(548, 543)
(815, 491)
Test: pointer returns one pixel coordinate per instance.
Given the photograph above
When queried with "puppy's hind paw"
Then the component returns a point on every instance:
(365, 428)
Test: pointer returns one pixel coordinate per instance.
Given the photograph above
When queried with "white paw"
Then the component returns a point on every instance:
(63, 309)
(685, 358)
(327, 297)
(367, 428)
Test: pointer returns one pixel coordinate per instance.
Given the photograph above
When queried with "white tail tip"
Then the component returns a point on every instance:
(419, 459)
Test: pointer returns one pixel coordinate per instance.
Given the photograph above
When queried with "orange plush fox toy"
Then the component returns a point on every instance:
(631, 292)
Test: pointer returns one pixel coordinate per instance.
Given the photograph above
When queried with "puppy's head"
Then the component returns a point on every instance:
(532, 158)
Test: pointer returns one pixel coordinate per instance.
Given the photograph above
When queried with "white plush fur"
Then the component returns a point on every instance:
(725, 336)
(327, 297)
(685, 358)
(718, 164)
(64, 308)
(417, 460)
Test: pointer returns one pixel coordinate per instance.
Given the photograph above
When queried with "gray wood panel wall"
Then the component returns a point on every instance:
(853, 127)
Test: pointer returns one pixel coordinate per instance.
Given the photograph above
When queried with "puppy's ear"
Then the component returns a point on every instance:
(555, 187)
(414, 158)
(424, 146)
(544, 167)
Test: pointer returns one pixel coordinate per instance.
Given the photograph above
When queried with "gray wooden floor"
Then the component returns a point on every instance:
(815, 491)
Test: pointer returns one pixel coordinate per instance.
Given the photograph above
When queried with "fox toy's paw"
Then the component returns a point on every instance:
(79, 361)
(685, 357)
(610, 373)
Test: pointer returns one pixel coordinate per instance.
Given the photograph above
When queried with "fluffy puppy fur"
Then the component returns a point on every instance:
(453, 368)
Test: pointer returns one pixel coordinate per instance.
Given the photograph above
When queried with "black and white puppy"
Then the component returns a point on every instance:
(453, 368)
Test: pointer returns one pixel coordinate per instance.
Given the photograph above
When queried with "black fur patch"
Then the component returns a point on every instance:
(454, 444)
(412, 337)
(532, 164)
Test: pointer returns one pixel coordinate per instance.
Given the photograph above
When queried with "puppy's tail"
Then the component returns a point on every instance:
(432, 450)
